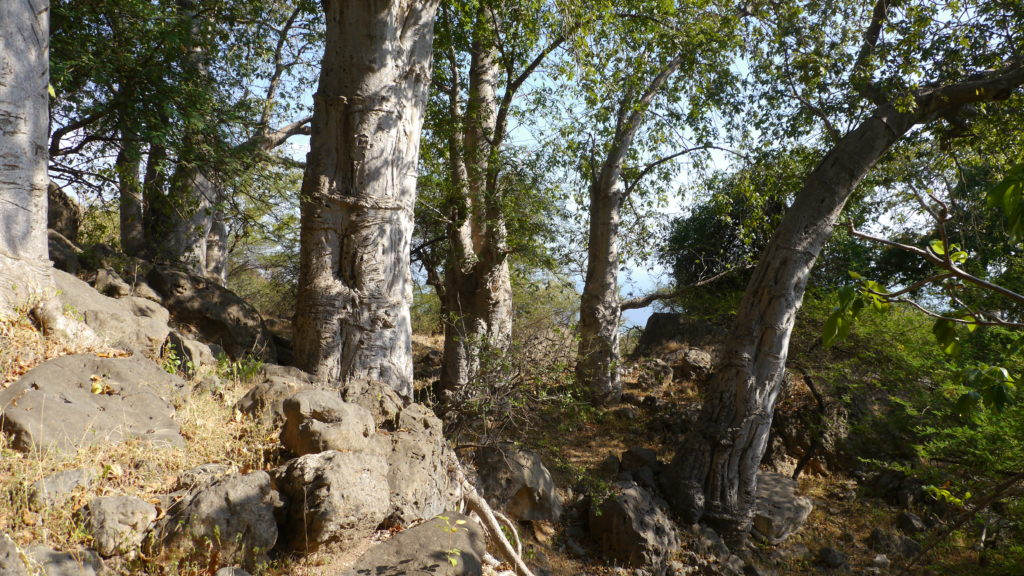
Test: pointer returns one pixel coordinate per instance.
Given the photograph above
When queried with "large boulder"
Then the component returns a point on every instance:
(63, 252)
(420, 465)
(58, 563)
(134, 323)
(218, 314)
(333, 498)
(778, 510)
(665, 327)
(317, 420)
(690, 363)
(265, 401)
(118, 523)
(516, 480)
(12, 560)
(633, 527)
(82, 399)
(237, 511)
(453, 544)
(62, 213)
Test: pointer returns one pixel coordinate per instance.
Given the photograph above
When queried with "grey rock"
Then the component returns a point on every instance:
(706, 542)
(119, 523)
(892, 544)
(201, 476)
(56, 563)
(237, 511)
(53, 406)
(63, 214)
(63, 252)
(12, 561)
(420, 465)
(110, 284)
(265, 401)
(609, 467)
(425, 550)
(318, 420)
(910, 523)
(231, 571)
(333, 497)
(881, 561)
(517, 481)
(383, 402)
(219, 315)
(656, 373)
(690, 364)
(634, 528)
(831, 558)
(142, 289)
(116, 320)
(191, 353)
(778, 510)
(56, 489)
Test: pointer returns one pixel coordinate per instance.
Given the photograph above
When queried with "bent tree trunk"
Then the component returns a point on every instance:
(478, 286)
(24, 76)
(714, 473)
(352, 314)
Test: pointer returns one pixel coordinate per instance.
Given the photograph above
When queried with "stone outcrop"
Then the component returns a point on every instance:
(516, 481)
(118, 524)
(265, 401)
(219, 315)
(82, 399)
(333, 498)
(317, 420)
(56, 489)
(236, 511)
(778, 511)
(453, 545)
(633, 527)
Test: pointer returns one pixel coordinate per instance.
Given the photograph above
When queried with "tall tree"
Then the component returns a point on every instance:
(355, 288)
(973, 62)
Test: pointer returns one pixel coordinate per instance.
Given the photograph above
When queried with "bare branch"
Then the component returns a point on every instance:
(647, 300)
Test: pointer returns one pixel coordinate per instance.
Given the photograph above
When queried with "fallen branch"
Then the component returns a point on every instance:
(477, 504)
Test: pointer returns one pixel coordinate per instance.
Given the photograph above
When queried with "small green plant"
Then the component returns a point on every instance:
(453, 553)
(239, 370)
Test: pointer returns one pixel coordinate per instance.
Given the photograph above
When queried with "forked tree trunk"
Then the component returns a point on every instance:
(478, 286)
(714, 473)
(352, 315)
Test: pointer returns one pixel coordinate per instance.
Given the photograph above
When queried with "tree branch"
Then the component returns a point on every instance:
(862, 81)
(647, 300)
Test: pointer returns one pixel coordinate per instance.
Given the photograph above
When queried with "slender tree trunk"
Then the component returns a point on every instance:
(478, 286)
(715, 471)
(24, 76)
(127, 166)
(217, 250)
(352, 315)
(598, 356)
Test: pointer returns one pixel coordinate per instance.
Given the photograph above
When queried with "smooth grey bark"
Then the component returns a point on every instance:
(477, 304)
(217, 250)
(352, 315)
(597, 359)
(24, 77)
(713, 476)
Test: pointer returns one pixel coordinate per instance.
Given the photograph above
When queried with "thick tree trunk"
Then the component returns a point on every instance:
(352, 315)
(156, 209)
(598, 356)
(714, 473)
(24, 76)
(478, 286)
(127, 166)
(194, 199)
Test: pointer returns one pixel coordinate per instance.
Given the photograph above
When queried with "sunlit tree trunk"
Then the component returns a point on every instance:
(24, 76)
(352, 316)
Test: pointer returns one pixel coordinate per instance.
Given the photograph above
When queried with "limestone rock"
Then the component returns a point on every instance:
(119, 523)
(56, 563)
(778, 511)
(63, 252)
(190, 353)
(219, 315)
(54, 404)
(265, 401)
(333, 497)
(425, 550)
(12, 561)
(62, 213)
(516, 480)
(110, 284)
(634, 528)
(690, 363)
(318, 420)
(56, 489)
(420, 465)
(236, 511)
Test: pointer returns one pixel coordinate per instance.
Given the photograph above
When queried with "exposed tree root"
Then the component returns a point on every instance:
(477, 504)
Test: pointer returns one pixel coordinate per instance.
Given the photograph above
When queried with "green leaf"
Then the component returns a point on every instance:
(938, 247)
(51, 91)
(967, 404)
(831, 331)
(855, 275)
